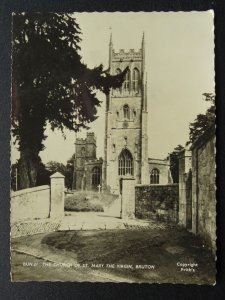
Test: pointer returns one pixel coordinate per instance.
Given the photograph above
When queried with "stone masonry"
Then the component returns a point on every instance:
(126, 120)
(126, 132)
(204, 190)
(157, 202)
(185, 185)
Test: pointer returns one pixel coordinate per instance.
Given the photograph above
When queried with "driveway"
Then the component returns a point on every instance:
(102, 220)
(139, 251)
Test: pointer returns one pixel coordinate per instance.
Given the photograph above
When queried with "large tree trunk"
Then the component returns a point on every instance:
(28, 166)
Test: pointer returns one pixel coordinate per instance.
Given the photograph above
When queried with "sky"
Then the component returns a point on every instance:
(179, 49)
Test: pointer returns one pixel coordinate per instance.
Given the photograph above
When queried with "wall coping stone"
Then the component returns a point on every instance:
(29, 190)
(155, 185)
(163, 162)
(57, 175)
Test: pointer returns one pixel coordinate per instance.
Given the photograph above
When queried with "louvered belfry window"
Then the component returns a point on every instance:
(127, 81)
(135, 79)
(126, 111)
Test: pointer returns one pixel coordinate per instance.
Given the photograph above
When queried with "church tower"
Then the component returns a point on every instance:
(126, 141)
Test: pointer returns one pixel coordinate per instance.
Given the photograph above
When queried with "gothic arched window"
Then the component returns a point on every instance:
(135, 79)
(125, 161)
(154, 176)
(127, 81)
(96, 176)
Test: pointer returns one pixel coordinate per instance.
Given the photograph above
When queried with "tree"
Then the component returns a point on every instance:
(50, 84)
(14, 176)
(174, 163)
(70, 171)
(54, 166)
(43, 175)
(66, 170)
(203, 122)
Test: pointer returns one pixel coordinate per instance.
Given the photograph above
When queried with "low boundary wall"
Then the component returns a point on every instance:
(29, 204)
(38, 209)
(158, 202)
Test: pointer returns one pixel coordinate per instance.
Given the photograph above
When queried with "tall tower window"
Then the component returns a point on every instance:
(83, 151)
(127, 81)
(135, 80)
(125, 163)
(126, 111)
(154, 177)
(118, 71)
(96, 176)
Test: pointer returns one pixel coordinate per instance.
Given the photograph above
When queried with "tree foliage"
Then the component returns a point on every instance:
(54, 166)
(203, 122)
(66, 170)
(70, 172)
(174, 163)
(43, 175)
(14, 176)
(50, 83)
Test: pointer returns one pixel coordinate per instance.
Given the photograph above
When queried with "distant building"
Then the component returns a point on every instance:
(87, 168)
(159, 171)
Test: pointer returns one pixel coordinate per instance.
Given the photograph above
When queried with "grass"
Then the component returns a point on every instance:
(82, 201)
(83, 205)
(162, 248)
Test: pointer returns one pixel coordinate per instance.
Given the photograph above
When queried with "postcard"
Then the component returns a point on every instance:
(113, 147)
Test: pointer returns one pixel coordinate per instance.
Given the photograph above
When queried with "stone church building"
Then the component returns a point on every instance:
(87, 168)
(126, 133)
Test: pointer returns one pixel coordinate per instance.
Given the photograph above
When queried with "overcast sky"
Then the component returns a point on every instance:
(179, 64)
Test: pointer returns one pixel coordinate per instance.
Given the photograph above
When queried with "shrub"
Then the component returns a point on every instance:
(84, 204)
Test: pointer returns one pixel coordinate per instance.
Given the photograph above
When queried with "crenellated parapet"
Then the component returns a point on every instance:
(80, 141)
(90, 139)
(128, 56)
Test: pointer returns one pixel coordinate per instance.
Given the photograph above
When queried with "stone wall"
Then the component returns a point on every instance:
(203, 191)
(32, 203)
(38, 209)
(157, 202)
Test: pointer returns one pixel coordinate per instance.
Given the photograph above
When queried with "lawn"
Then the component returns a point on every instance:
(163, 249)
(88, 201)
